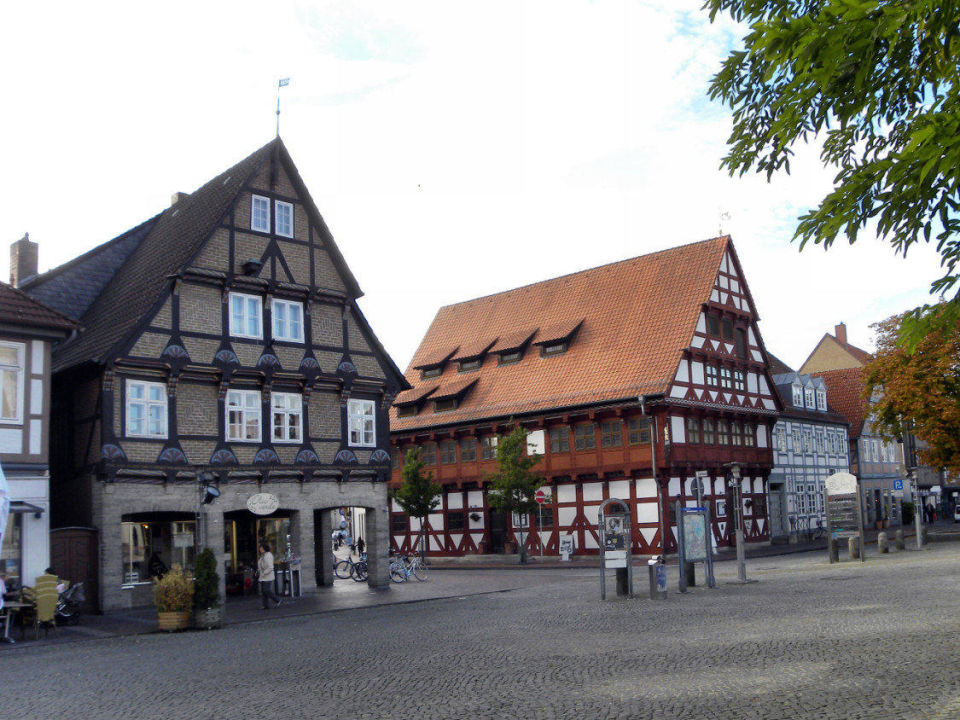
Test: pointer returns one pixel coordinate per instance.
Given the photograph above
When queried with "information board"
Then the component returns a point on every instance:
(842, 518)
(695, 536)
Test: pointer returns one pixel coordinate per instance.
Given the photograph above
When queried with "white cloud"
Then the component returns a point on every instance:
(455, 148)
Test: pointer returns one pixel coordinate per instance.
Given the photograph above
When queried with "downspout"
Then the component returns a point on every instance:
(653, 468)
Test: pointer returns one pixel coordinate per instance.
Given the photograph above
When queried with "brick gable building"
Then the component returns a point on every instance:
(223, 346)
(628, 377)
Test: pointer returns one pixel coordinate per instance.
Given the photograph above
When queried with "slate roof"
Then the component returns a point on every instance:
(845, 396)
(637, 315)
(778, 366)
(18, 308)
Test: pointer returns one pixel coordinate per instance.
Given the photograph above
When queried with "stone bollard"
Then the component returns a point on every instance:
(924, 535)
(689, 571)
(853, 547)
(834, 549)
(898, 540)
(623, 583)
(882, 545)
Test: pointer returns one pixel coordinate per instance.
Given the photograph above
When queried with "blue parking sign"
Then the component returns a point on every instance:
(898, 484)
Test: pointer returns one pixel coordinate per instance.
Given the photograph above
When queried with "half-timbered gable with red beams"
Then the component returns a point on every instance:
(629, 379)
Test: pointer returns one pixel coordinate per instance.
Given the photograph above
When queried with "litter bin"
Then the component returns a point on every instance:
(657, 571)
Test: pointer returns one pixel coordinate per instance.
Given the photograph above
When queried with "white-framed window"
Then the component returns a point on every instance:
(738, 380)
(11, 382)
(361, 420)
(245, 314)
(726, 378)
(808, 398)
(260, 213)
(243, 415)
(821, 400)
(797, 396)
(287, 417)
(287, 320)
(283, 214)
(711, 375)
(146, 409)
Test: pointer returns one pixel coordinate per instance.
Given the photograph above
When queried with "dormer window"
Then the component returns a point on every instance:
(445, 404)
(553, 349)
(797, 396)
(511, 357)
(467, 365)
(821, 400)
(555, 340)
(406, 410)
(431, 372)
(808, 398)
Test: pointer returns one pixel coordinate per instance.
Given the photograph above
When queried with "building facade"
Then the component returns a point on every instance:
(810, 443)
(28, 331)
(222, 348)
(628, 378)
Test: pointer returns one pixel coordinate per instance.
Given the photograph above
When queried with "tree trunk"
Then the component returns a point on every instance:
(423, 542)
(523, 548)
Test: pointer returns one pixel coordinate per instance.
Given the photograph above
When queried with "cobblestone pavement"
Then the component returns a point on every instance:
(856, 641)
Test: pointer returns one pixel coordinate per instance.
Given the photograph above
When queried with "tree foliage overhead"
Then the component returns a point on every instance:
(878, 81)
(919, 388)
(514, 486)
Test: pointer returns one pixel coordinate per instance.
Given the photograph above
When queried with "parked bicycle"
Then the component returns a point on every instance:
(349, 569)
(402, 567)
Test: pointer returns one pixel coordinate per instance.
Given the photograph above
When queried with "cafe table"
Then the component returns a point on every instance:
(11, 608)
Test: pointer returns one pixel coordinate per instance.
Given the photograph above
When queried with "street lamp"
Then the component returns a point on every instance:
(734, 482)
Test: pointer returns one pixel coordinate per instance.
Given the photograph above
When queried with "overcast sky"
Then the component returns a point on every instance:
(454, 148)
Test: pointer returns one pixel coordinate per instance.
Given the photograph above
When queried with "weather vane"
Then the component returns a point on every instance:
(283, 83)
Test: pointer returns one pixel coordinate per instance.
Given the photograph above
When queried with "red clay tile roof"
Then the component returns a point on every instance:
(18, 308)
(454, 387)
(437, 357)
(844, 396)
(557, 331)
(513, 341)
(638, 317)
(473, 349)
(408, 397)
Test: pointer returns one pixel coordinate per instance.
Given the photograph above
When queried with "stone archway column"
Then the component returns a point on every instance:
(378, 546)
(107, 511)
(213, 538)
(301, 536)
(326, 548)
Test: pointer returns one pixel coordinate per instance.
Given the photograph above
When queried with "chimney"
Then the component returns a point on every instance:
(23, 260)
(177, 197)
(840, 333)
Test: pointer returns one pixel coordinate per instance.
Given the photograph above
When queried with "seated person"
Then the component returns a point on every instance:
(156, 567)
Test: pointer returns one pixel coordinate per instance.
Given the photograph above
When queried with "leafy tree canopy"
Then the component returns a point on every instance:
(418, 493)
(919, 388)
(878, 81)
(515, 484)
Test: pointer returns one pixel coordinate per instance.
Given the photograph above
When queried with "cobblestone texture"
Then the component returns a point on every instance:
(875, 641)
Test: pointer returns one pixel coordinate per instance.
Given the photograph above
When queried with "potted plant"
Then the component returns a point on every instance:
(173, 595)
(206, 592)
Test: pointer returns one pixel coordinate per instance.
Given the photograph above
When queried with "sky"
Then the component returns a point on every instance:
(455, 149)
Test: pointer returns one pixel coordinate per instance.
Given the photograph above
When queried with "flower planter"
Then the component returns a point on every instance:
(207, 619)
(174, 620)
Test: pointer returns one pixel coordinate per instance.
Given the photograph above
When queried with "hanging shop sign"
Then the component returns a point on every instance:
(263, 503)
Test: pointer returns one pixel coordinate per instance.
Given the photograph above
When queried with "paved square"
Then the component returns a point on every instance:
(810, 640)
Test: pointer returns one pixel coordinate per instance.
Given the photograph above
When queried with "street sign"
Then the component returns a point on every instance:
(898, 484)
(703, 474)
(541, 497)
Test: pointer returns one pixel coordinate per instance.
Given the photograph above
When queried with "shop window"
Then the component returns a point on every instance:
(153, 545)
(428, 453)
(711, 375)
(560, 439)
(709, 436)
(448, 452)
(11, 554)
(585, 436)
(488, 447)
(146, 409)
(287, 417)
(638, 431)
(456, 521)
(243, 415)
(11, 382)
(468, 449)
(693, 430)
(611, 433)
(398, 523)
(361, 419)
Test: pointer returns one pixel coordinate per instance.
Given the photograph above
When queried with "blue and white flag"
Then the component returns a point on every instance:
(4, 513)
(284, 82)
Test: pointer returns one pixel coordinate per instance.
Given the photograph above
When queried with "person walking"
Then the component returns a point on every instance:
(265, 571)
(361, 546)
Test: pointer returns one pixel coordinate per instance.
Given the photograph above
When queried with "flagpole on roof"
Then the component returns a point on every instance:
(282, 83)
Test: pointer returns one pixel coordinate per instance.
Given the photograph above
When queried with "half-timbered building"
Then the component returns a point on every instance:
(222, 348)
(629, 378)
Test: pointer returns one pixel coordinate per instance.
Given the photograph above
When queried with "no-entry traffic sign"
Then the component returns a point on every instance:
(541, 497)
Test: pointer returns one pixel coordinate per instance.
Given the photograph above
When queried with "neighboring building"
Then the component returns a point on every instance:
(28, 330)
(877, 462)
(222, 346)
(810, 443)
(586, 362)
(833, 352)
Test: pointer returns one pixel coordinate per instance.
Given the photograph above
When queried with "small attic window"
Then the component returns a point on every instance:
(445, 404)
(557, 348)
(797, 395)
(508, 358)
(406, 410)
(431, 372)
(467, 365)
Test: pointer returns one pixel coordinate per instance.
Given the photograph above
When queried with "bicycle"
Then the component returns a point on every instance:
(350, 569)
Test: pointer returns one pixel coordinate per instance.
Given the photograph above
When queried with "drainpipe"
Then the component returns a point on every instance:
(653, 468)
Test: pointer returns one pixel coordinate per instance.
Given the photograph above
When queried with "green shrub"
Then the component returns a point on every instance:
(206, 585)
(173, 592)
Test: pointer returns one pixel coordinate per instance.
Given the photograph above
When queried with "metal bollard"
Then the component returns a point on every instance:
(658, 578)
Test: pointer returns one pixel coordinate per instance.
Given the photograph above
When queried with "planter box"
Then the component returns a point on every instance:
(171, 621)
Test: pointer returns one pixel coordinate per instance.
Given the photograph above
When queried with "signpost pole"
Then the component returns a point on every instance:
(738, 518)
(917, 508)
(681, 549)
(711, 583)
(862, 537)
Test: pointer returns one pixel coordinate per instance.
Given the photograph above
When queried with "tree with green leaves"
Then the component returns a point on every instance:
(514, 486)
(919, 389)
(878, 82)
(418, 494)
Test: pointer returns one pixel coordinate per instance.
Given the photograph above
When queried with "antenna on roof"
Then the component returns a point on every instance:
(723, 216)
(282, 83)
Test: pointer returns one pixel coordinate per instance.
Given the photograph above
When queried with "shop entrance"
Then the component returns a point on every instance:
(498, 531)
(242, 533)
